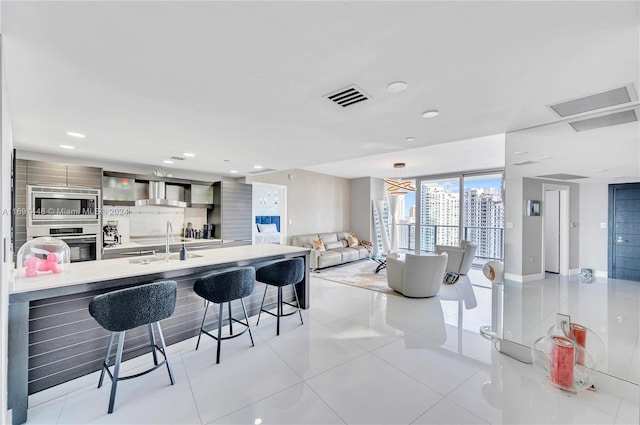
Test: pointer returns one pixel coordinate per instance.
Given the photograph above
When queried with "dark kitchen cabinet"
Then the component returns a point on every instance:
(232, 214)
(44, 173)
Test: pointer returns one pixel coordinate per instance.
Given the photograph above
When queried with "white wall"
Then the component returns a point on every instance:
(316, 202)
(6, 147)
(594, 199)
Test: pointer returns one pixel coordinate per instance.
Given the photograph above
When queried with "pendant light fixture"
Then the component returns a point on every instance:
(399, 187)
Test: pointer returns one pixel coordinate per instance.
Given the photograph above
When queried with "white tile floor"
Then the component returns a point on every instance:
(362, 357)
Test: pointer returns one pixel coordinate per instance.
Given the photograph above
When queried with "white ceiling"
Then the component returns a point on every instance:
(244, 81)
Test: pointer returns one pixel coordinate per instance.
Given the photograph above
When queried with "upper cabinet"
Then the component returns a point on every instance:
(46, 173)
(118, 189)
(125, 189)
(201, 195)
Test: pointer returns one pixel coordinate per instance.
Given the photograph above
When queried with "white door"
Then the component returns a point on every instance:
(551, 220)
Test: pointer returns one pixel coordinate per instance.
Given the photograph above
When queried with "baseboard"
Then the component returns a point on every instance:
(523, 278)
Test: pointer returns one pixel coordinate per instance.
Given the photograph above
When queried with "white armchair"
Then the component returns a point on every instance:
(418, 276)
(460, 257)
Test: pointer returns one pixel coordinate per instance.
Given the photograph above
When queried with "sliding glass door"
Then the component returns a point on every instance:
(483, 215)
(439, 219)
(461, 207)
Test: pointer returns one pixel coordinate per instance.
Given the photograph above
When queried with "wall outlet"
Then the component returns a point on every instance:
(508, 224)
(290, 222)
(603, 225)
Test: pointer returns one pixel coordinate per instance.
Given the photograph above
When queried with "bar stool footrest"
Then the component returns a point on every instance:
(123, 378)
(229, 336)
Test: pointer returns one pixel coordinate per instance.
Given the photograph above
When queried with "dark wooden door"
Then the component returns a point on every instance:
(624, 231)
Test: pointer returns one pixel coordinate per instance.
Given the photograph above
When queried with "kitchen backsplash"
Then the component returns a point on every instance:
(149, 221)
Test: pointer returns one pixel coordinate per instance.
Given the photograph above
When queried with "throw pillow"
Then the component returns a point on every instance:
(333, 245)
(318, 245)
(267, 228)
(353, 240)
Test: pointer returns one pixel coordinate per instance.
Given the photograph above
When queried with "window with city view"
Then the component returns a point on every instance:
(482, 212)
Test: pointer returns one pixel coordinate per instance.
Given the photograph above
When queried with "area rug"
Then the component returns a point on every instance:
(359, 273)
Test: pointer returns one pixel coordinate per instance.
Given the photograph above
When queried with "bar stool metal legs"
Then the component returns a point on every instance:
(223, 287)
(219, 337)
(281, 273)
(143, 305)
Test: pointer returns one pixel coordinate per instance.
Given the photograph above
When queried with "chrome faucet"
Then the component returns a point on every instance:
(169, 236)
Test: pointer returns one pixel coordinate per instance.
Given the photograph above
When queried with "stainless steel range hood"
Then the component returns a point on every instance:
(157, 196)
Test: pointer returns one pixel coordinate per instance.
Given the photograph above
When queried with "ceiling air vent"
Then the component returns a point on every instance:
(595, 101)
(605, 120)
(177, 158)
(561, 176)
(348, 96)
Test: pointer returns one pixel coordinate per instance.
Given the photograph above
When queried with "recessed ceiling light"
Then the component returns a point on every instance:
(166, 161)
(76, 135)
(257, 167)
(430, 114)
(189, 154)
(67, 147)
(397, 86)
(410, 139)
(520, 152)
(233, 171)
(599, 170)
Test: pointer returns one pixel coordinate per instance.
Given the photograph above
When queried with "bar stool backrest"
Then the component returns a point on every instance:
(282, 272)
(129, 308)
(226, 285)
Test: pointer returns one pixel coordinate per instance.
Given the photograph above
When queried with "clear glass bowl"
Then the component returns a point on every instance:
(42, 255)
(568, 356)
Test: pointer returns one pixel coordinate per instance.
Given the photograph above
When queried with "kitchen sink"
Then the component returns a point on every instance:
(161, 257)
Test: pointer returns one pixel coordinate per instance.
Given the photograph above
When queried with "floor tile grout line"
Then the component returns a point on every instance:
(477, 369)
(64, 404)
(325, 402)
(253, 403)
(193, 396)
(333, 367)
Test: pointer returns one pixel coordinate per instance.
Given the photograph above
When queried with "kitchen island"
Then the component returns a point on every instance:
(53, 339)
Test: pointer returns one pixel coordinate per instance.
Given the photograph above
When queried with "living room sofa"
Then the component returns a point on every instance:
(337, 250)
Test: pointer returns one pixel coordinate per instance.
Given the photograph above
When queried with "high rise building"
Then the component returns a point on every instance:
(483, 219)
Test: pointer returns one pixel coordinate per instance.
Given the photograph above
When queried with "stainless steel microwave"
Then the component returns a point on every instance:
(59, 205)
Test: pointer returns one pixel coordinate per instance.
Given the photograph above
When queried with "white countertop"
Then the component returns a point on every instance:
(96, 271)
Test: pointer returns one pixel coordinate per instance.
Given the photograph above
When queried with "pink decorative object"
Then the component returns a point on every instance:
(562, 361)
(34, 265)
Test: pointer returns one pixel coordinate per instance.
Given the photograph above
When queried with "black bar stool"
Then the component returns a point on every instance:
(281, 273)
(125, 309)
(223, 287)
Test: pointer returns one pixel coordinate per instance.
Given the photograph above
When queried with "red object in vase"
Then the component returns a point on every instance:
(562, 361)
(579, 334)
